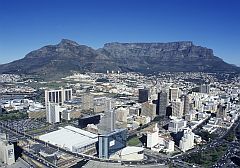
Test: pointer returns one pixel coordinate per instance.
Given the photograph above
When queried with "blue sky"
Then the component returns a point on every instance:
(26, 25)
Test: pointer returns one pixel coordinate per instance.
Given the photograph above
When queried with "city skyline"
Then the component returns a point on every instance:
(27, 25)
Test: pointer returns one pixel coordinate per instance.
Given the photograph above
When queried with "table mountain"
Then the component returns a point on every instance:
(173, 56)
(69, 56)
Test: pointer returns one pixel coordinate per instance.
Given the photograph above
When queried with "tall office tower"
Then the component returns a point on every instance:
(152, 137)
(204, 88)
(107, 122)
(143, 95)
(54, 112)
(177, 108)
(173, 93)
(87, 101)
(6, 150)
(186, 104)
(148, 109)
(58, 96)
(110, 143)
(162, 103)
(187, 141)
(110, 139)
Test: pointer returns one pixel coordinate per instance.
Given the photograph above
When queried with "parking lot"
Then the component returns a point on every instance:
(26, 125)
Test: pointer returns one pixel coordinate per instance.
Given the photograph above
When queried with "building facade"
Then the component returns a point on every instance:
(177, 108)
(54, 112)
(187, 141)
(143, 95)
(110, 143)
(162, 103)
(58, 96)
(6, 151)
(148, 109)
(173, 93)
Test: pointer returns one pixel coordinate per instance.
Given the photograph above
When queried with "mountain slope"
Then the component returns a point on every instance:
(58, 60)
(67, 56)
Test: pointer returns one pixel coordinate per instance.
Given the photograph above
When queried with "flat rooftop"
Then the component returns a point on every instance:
(69, 137)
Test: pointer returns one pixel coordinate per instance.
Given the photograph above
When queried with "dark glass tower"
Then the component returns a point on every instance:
(162, 103)
(143, 95)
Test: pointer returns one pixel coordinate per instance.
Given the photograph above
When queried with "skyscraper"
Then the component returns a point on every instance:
(110, 139)
(58, 96)
(204, 88)
(173, 93)
(186, 104)
(162, 103)
(177, 108)
(152, 137)
(112, 142)
(54, 112)
(143, 95)
(53, 100)
(107, 122)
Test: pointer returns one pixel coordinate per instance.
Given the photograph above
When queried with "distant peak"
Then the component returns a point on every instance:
(68, 42)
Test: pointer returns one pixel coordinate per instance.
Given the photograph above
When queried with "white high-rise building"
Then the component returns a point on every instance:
(187, 141)
(177, 108)
(6, 151)
(174, 93)
(58, 96)
(53, 112)
(152, 137)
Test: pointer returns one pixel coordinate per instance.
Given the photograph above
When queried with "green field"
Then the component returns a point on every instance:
(133, 141)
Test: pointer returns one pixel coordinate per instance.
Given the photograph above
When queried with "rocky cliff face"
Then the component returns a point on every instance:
(68, 56)
(155, 57)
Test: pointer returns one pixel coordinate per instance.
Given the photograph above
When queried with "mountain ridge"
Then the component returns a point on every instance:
(68, 56)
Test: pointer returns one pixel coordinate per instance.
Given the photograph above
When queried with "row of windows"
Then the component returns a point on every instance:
(56, 97)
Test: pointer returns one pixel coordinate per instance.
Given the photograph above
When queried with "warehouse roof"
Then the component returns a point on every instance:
(69, 136)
